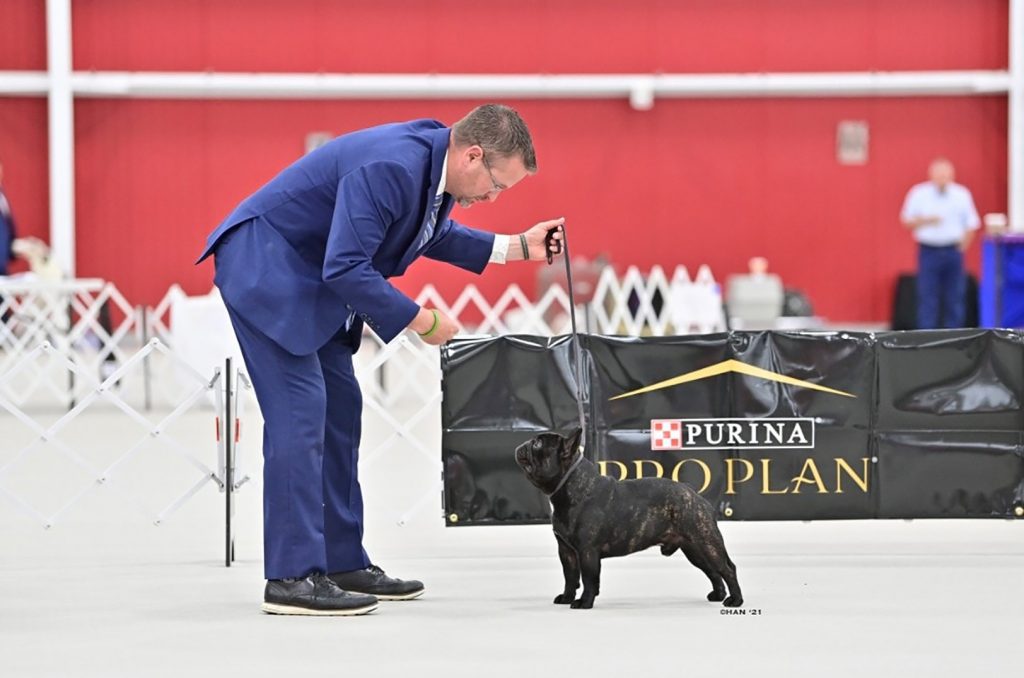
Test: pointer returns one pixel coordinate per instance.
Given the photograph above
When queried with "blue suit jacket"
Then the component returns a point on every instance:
(320, 240)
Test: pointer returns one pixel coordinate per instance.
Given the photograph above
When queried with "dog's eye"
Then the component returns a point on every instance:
(536, 444)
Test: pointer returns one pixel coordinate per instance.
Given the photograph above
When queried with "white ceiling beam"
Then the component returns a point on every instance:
(641, 89)
(24, 83)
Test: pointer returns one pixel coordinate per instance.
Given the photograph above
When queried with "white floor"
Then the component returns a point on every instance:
(922, 598)
(105, 593)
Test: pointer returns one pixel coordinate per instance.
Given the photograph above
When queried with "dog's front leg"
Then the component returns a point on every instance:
(590, 567)
(571, 570)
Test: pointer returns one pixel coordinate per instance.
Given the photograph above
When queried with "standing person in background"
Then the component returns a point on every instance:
(7, 233)
(32, 249)
(302, 265)
(942, 216)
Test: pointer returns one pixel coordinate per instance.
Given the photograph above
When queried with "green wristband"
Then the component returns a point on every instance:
(433, 328)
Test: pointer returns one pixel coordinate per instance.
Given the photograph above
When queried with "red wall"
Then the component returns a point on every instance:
(553, 36)
(23, 35)
(23, 145)
(690, 182)
(23, 153)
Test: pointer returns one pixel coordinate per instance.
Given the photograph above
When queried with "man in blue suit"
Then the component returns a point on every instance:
(302, 265)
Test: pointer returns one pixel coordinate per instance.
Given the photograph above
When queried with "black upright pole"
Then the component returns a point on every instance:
(71, 373)
(229, 480)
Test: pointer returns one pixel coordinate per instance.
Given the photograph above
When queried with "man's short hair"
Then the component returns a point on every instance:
(498, 130)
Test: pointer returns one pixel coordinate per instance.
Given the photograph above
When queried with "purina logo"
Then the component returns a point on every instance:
(781, 433)
(731, 366)
(714, 434)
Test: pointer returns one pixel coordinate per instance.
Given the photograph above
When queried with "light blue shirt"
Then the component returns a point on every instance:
(954, 206)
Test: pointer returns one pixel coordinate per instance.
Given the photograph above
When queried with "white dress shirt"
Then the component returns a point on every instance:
(954, 206)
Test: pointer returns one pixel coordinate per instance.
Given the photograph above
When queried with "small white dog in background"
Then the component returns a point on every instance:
(37, 254)
(43, 307)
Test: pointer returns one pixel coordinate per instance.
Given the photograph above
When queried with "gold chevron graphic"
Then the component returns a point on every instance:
(731, 366)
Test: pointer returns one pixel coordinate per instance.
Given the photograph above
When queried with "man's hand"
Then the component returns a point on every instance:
(965, 243)
(535, 241)
(918, 222)
(424, 322)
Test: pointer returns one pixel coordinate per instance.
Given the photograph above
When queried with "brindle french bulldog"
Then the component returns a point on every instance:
(598, 517)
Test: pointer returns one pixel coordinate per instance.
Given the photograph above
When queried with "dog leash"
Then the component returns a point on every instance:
(565, 478)
(549, 247)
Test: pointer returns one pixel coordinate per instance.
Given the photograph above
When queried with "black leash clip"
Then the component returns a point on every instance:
(552, 246)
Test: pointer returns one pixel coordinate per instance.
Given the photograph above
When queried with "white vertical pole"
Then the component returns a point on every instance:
(1016, 116)
(62, 134)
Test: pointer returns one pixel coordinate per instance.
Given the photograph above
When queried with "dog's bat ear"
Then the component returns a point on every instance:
(574, 441)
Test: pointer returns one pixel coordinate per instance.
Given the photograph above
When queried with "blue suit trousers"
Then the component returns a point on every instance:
(312, 408)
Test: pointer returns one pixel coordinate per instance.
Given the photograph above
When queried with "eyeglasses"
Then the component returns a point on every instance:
(496, 187)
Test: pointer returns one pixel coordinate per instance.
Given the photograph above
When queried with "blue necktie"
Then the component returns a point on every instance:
(428, 232)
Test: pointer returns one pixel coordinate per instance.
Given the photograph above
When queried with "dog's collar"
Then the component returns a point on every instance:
(579, 458)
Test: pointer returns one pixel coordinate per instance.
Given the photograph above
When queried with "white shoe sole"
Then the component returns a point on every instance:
(407, 596)
(276, 608)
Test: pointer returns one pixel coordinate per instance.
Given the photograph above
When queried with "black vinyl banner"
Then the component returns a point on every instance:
(766, 425)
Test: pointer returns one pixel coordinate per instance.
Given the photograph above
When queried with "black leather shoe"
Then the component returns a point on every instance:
(314, 595)
(373, 581)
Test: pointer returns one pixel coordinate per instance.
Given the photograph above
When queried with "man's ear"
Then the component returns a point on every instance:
(573, 443)
(472, 153)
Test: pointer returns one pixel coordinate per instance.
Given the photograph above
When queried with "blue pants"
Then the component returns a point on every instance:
(941, 286)
(312, 407)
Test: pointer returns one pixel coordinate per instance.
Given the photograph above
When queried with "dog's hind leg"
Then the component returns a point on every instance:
(693, 554)
(718, 559)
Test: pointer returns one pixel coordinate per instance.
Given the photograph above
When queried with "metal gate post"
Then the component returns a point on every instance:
(229, 462)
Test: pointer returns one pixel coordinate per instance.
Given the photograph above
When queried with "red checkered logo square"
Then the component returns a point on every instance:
(666, 434)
